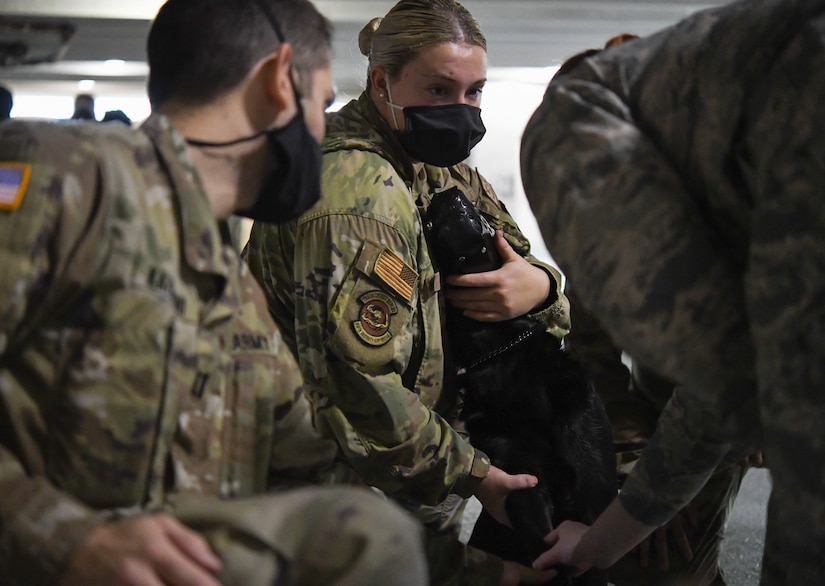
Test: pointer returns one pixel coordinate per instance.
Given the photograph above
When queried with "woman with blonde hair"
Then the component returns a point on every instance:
(353, 285)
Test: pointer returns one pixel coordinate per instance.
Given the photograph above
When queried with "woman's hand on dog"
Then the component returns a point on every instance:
(505, 293)
(493, 491)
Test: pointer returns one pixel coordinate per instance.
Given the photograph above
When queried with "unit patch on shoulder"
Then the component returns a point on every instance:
(14, 179)
(391, 269)
(375, 317)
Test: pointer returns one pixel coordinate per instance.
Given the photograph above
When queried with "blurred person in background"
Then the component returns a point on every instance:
(84, 107)
(6, 103)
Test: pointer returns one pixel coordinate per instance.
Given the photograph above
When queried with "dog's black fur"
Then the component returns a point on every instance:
(528, 404)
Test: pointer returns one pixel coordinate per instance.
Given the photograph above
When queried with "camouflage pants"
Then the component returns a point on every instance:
(711, 507)
(794, 451)
(311, 537)
(791, 556)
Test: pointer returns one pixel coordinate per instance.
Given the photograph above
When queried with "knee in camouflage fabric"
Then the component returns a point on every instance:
(311, 537)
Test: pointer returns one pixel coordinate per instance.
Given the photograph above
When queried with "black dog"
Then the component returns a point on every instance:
(528, 404)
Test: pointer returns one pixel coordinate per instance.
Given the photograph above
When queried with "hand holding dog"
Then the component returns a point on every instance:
(613, 534)
(507, 292)
(493, 491)
(564, 541)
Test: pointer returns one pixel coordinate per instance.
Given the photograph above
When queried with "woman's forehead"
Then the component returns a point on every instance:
(450, 62)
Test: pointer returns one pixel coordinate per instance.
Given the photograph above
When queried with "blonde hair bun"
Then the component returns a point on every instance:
(366, 35)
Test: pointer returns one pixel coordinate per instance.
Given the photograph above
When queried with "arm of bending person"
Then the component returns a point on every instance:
(613, 534)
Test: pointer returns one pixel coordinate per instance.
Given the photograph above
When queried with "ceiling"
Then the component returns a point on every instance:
(520, 34)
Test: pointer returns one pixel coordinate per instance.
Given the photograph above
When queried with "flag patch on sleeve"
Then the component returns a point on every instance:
(14, 179)
(396, 273)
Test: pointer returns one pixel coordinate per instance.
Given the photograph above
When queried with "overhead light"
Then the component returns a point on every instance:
(114, 63)
(86, 85)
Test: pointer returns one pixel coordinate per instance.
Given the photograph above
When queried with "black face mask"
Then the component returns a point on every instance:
(441, 135)
(294, 181)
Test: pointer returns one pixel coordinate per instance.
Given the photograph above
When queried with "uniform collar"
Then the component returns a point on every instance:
(205, 247)
(359, 125)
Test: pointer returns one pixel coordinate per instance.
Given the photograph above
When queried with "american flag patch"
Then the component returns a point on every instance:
(14, 178)
(396, 273)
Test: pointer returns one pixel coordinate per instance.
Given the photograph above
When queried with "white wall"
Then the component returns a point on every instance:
(508, 101)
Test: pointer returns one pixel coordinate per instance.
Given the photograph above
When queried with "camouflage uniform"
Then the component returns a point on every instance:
(352, 286)
(634, 398)
(677, 180)
(137, 359)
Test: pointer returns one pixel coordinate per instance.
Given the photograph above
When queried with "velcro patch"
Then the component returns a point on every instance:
(397, 274)
(375, 318)
(14, 179)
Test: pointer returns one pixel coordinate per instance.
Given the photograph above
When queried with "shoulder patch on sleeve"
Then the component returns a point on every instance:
(14, 179)
(375, 318)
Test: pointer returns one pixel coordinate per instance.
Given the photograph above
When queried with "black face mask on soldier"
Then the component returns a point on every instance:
(294, 181)
(293, 184)
(439, 135)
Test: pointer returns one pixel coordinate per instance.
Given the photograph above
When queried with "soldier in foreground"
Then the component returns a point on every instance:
(678, 181)
(144, 390)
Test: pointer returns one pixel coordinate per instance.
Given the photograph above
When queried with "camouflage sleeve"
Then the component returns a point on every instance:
(299, 454)
(555, 313)
(622, 225)
(631, 418)
(355, 341)
(269, 253)
(39, 524)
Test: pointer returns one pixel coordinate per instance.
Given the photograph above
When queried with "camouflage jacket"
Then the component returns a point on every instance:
(664, 174)
(137, 357)
(354, 281)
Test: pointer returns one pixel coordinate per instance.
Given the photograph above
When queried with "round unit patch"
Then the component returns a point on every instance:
(375, 317)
